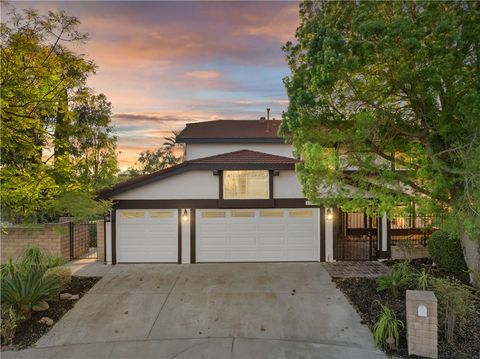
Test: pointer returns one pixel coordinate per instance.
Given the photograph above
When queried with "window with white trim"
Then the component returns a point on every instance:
(246, 184)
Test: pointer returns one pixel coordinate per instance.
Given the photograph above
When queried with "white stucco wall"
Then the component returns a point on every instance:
(286, 185)
(204, 185)
(186, 236)
(108, 240)
(187, 185)
(197, 150)
(328, 238)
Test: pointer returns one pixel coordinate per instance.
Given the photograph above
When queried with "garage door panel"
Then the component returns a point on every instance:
(151, 238)
(240, 255)
(213, 255)
(266, 235)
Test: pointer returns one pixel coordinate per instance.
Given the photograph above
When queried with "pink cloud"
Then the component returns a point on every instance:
(203, 74)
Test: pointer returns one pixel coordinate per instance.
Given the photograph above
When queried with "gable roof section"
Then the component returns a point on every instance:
(237, 160)
(231, 131)
(245, 157)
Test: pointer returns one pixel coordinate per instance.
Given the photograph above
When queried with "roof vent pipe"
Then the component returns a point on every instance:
(262, 119)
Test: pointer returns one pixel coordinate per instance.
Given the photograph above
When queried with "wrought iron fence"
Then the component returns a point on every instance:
(83, 240)
(413, 229)
(357, 239)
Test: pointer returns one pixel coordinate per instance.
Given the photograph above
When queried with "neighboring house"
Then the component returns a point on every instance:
(235, 198)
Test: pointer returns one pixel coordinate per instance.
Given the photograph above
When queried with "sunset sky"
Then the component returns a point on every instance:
(163, 64)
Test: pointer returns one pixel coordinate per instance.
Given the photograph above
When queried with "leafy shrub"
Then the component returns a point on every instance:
(405, 269)
(399, 277)
(63, 275)
(9, 323)
(422, 280)
(446, 252)
(35, 258)
(24, 289)
(456, 303)
(386, 330)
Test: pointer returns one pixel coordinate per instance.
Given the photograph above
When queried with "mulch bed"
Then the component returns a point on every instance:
(363, 295)
(29, 331)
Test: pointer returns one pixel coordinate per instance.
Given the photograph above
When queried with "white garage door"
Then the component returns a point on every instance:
(257, 235)
(147, 235)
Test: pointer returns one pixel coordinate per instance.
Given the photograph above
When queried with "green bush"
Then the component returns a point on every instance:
(63, 275)
(24, 289)
(36, 259)
(456, 303)
(386, 330)
(398, 278)
(446, 252)
(9, 323)
(422, 280)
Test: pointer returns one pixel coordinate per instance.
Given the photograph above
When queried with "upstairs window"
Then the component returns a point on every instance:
(246, 184)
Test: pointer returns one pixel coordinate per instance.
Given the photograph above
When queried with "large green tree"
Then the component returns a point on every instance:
(392, 90)
(92, 143)
(39, 76)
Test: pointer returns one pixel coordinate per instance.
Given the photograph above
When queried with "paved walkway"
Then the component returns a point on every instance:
(350, 269)
(287, 310)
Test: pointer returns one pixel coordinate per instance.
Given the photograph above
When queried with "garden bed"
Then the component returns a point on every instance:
(363, 294)
(30, 330)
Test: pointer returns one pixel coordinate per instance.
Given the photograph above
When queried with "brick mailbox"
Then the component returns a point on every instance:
(422, 324)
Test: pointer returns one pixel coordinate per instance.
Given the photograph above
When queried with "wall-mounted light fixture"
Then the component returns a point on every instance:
(329, 214)
(185, 215)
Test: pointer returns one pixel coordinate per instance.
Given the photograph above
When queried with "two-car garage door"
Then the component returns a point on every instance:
(233, 235)
(257, 235)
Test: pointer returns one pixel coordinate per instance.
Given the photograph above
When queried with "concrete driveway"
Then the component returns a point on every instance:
(275, 310)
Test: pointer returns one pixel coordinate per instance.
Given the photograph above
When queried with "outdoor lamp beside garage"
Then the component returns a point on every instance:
(329, 214)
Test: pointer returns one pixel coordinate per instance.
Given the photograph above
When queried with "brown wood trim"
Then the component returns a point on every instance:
(335, 230)
(220, 185)
(211, 203)
(167, 203)
(193, 246)
(179, 236)
(105, 241)
(246, 203)
(113, 231)
(323, 230)
(270, 184)
(389, 238)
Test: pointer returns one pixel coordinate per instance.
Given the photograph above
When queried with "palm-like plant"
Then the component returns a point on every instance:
(24, 289)
(170, 141)
(386, 330)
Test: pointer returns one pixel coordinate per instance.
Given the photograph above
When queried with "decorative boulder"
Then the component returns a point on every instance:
(47, 321)
(40, 306)
(65, 295)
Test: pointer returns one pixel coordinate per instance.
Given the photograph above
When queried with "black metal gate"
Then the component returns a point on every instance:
(83, 240)
(357, 237)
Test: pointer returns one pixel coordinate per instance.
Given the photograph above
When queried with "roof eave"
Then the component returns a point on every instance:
(230, 140)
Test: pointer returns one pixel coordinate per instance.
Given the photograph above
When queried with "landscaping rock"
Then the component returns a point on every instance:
(74, 297)
(65, 295)
(46, 320)
(40, 306)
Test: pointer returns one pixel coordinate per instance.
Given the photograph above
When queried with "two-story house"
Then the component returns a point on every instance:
(235, 198)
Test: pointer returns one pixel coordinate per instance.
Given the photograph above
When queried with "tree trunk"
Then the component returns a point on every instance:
(471, 252)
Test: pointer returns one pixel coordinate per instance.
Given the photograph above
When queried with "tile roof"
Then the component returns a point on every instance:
(245, 157)
(231, 130)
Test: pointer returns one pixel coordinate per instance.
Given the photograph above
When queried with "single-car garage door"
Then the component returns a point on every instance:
(147, 235)
(257, 235)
